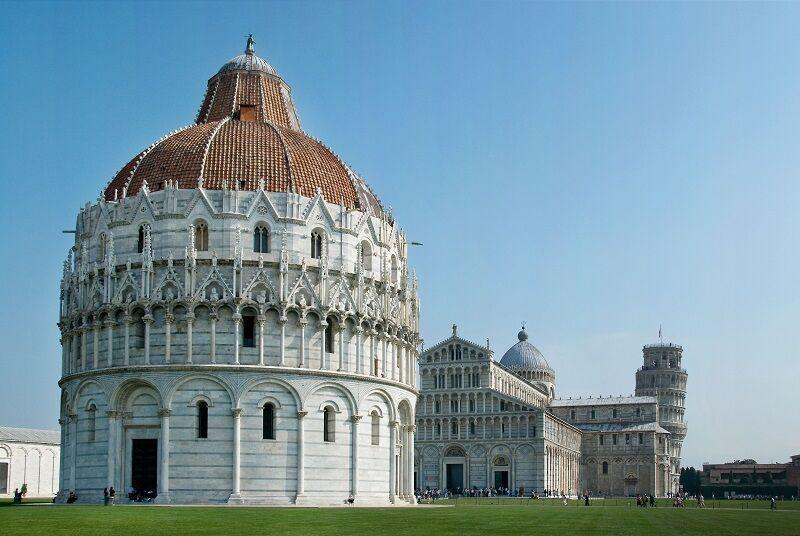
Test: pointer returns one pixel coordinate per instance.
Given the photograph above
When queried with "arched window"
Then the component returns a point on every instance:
(92, 424)
(316, 244)
(376, 428)
(329, 335)
(366, 255)
(328, 424)
(261, 239)
(101, 247)
(605, 468)
(202, 419)
(140, 241)
(138, 329)
(268, 421)
(201, 236)
(248, 329)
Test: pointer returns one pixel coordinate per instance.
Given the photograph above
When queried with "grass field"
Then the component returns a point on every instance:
(496, 519)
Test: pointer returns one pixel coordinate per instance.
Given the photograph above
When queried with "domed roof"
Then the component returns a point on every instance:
(246, 136)
(524, 357)
(248, 61)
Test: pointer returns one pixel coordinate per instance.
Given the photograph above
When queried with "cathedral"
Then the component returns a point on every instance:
(488, 424)
(238, 319)
(239, 324)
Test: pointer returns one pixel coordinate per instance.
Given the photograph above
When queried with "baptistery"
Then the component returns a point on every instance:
(238, 319)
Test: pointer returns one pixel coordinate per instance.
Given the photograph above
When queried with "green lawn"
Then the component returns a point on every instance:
(461, 519)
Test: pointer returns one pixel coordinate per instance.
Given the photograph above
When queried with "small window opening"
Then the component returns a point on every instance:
(376, 428)
(201, 236)
(202, 419)
(92, 424)
(268, 423)
(261, 239)
(316, 245)
(329, 335)
(328, 425)
(249, 331)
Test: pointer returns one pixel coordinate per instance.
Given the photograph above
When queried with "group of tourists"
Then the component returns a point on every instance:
(141, 495)
(108, 496)
(646, 500)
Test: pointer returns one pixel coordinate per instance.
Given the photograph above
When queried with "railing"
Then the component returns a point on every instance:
(664, 345)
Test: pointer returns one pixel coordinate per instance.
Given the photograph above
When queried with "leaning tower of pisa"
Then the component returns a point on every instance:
(662, 375)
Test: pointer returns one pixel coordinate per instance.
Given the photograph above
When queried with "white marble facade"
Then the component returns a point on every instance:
(483, 423)
(147, 335)
(29, 457)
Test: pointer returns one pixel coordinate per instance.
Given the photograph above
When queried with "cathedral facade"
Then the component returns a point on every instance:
(238, 319)
(488, 424)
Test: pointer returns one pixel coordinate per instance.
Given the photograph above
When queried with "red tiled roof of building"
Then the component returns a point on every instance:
(246, 131)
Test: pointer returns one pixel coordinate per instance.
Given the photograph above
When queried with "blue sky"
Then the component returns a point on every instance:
(592, 169)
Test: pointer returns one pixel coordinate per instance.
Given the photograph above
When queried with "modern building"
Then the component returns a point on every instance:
(752, 478)
(238, 320)
(29, 458)
(483, 423)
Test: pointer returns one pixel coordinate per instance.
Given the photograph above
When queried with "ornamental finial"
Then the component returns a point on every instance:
(250, 42)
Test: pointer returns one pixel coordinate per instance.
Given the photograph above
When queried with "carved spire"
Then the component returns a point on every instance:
(110, 262)
(284, 253)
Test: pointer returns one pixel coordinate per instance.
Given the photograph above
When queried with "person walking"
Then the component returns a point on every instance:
(772, 504)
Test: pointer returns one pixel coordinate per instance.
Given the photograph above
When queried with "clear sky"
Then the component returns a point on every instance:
(592, 169)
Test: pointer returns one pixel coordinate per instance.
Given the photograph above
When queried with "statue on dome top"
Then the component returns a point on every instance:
(250, 42)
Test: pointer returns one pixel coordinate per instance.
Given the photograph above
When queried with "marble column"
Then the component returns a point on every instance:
(112, 448)
(300, 456)
(340, 334)
(213, 317)
(410, 463)
(373, 370)
(282, 321)
(383, 356)
(401, 363)
(110, 342)
(148, 321)
(261, 320)
(354, 487)
(302, 323)
(127, 349)
(95, 345)
(393, 348)
(322, 326)
(237, 320)
(168, 320)
(189, 343)
(84, 330)
(163, 470)
(236, 495)
(392, 461)
(359, 368)
(73, 448)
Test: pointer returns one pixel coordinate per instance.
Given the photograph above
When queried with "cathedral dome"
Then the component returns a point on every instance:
(248, 62)
(247, 136)
(524, 357)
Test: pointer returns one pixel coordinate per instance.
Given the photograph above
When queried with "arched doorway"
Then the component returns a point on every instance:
(454, 469)
(501, 469)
